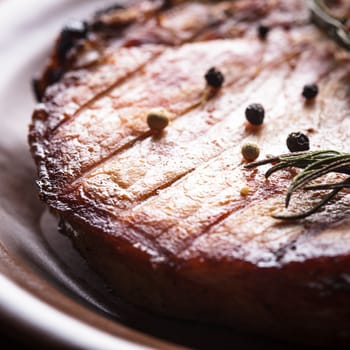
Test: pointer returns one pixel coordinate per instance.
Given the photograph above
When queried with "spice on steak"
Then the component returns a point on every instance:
(214, 78)
(157, 120)
(310, 91)
(263, 31)
(250, 151)
(297, 142)
(244, 191)
(255, 114)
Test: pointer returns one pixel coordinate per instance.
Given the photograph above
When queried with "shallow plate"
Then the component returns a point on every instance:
(47, 293)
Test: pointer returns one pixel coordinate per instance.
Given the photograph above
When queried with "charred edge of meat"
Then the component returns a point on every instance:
(106, 21)
(117, 16)
(54, 75)
(37, 88)
(71, 33)
(51, 75)
(108, 9)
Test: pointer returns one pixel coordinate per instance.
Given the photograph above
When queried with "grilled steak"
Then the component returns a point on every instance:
(162, 216)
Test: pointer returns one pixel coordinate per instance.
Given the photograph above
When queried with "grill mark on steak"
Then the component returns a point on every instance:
(250, 243)
(278, 243)
(141, 127)
(102, 94)
(226, 7)
(273, 131)
(90, 170)
(66, 118)
(125, 43)
(166, 230)
(234, 211)
(163, 150)
(191, 111)
(63, 100)
(246, 78)
(154, 191)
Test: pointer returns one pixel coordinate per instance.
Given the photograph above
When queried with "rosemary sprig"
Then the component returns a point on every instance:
(315, 164)
(331, 25)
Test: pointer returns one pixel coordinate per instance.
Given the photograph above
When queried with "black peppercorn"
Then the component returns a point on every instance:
(263, 30)
(255, 113)
(310, 91)
(297, 142)
(214, 77)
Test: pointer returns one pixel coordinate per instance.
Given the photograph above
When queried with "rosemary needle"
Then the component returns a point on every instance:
(328, 23)
(315, 165)
(311, 211)
(322, 187)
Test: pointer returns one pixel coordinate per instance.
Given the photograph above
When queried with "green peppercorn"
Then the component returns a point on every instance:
(245, 191)
(250, 151)
(157, 120)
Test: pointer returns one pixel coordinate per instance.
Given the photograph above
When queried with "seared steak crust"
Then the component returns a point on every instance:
(161, 218)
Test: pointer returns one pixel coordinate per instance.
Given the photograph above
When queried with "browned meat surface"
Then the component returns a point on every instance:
(162, 217)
